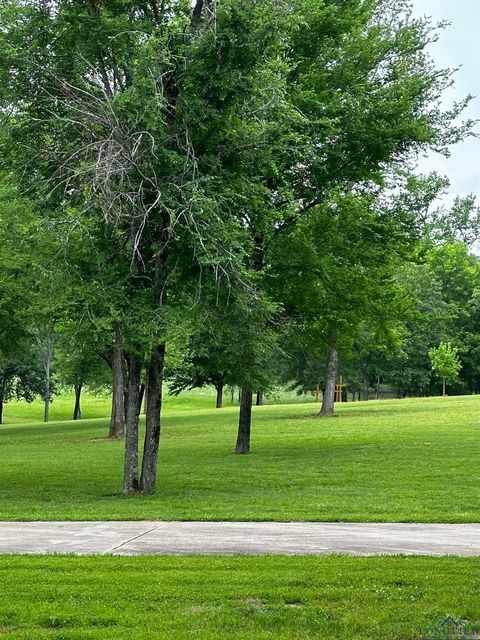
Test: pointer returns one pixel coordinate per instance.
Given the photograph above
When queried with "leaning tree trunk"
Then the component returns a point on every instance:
(155, 369)
(219, 400)
(117, 420)
(77, 412)
(130, 475)
(244, 420)
(331, 368)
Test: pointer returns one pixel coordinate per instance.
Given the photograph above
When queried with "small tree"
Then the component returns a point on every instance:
(21, 381)
(445, 363)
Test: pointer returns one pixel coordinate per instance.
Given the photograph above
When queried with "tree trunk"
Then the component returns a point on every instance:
(48, 373)
(232, 394)
(117, 420)
(77, 412)
(130, 469)
(259, 401)
(1, 409)
(244, 420)
(377, 387)
(219, 401)
(353, 396)
(152, 424)
(46, 411)
(365, 387)
(444, 387)
(331, 368)
(156, 365)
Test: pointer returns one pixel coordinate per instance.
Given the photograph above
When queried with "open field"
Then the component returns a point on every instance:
(410, 460)
(164, 598)
(98, 406)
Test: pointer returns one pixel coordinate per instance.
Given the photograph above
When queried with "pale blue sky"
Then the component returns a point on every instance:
(459, 46)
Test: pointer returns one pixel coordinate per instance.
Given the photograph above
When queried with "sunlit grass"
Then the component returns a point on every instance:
(408, 460)
(333, 598)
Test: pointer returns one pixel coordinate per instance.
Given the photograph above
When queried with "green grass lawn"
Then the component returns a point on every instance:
(395, 460)
(98, 406)
(271, 597)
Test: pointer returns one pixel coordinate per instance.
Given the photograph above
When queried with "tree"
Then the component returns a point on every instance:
(346, 86)
(336, 271)
(122, 134)
(21, 372)
(445, 363)
(209, 356)
(45, 343)
(77, 363)
(21, 380)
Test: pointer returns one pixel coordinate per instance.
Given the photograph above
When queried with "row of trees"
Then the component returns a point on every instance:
(218, 192)
(437, 302)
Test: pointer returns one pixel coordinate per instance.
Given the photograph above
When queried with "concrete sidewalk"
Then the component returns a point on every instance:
(249, 538)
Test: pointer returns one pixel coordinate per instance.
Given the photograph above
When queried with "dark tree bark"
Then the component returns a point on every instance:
(125, 363)
(219, 400)
(77, 412)
(331, 368)
(197, 13)
(117, 420)
(365, 386)
(1, 409)
(152, 424)
(156, 365)
(259, 401)
(377, 387)
(130, 475)
(244, 420)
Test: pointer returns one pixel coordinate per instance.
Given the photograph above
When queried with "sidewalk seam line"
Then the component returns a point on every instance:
(140, 535)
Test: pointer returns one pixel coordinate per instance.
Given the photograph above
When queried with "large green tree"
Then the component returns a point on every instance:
(145, 140)
(21, 371)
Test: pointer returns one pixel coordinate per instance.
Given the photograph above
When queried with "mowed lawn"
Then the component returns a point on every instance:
(393, 460)
(256, 598)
